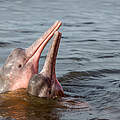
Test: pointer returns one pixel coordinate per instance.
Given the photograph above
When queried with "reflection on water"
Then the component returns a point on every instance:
(87, 64)
(20, 105)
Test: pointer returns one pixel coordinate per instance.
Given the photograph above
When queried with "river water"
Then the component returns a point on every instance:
(88, 63)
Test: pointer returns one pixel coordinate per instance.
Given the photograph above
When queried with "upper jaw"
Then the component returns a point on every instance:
(34, 51)
(49, 65)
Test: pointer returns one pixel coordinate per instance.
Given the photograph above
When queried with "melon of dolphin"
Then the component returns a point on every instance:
(45, 84)
(22, 64)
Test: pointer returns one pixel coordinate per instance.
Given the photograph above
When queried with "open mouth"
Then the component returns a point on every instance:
(34, 51)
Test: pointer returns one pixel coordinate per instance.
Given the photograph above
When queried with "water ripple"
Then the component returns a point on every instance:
(88, 23)
(109, 55)
(4, 44)
(71, 25)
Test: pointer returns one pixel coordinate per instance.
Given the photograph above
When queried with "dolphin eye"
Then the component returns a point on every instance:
(19, 66)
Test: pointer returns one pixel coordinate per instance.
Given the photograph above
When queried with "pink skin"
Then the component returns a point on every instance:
(22, 64)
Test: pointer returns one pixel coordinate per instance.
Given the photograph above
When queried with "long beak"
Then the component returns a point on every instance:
(49, 66)
(34, 51)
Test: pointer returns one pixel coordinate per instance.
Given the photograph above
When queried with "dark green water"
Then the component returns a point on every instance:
(88, 63)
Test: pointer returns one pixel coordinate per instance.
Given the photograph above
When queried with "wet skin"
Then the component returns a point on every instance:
(45, 84)
(22, 64)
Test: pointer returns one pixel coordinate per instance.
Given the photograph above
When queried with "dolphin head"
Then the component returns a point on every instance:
(22, 64)
(45, 84)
